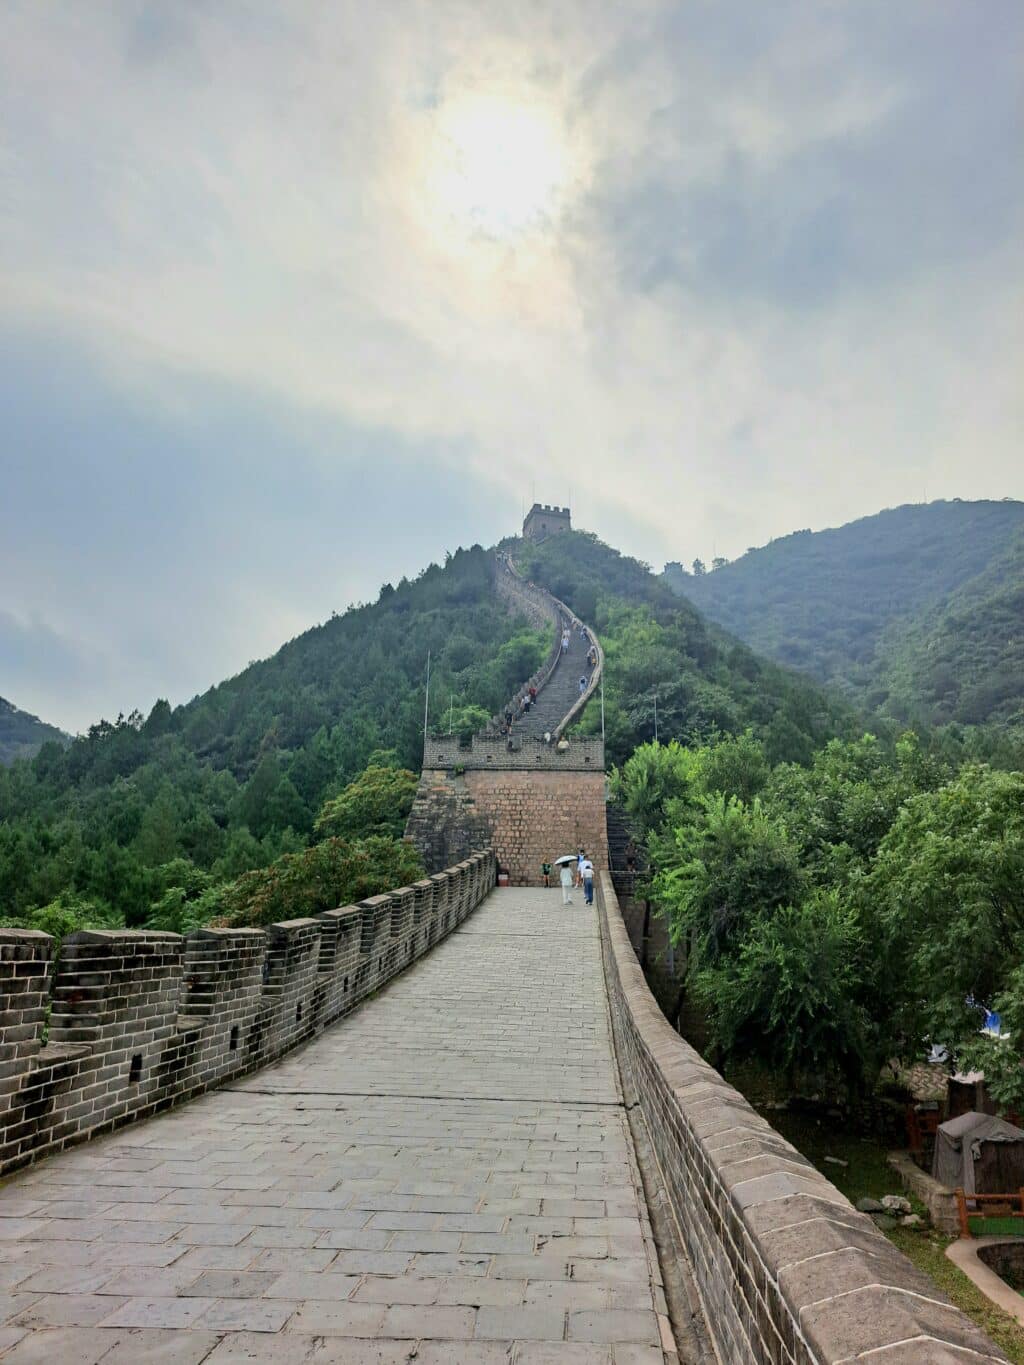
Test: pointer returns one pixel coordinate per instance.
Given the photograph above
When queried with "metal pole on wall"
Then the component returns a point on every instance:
(602, 705)
(426, 704)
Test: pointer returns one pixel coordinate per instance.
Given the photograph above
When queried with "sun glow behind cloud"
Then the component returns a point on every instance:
(498, 165)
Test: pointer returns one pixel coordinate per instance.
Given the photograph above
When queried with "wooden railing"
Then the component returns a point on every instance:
(1002, 1206)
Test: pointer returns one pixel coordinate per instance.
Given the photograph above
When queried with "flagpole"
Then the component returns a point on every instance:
(426, 704)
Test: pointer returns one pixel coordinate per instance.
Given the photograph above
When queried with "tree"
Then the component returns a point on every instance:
(651, 778)
(699, 568)
(718, 563)
(719, 875)
(377, 802)
(732, 766)
(332, 873)
(949, 885)
(792, 992)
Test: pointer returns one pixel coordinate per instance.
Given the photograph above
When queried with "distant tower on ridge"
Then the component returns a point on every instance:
(543, 521)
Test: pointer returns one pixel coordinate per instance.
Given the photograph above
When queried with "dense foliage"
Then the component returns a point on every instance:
(915, 613)
(837, 914)
(23, 735)
(669, 669)
(147, 820)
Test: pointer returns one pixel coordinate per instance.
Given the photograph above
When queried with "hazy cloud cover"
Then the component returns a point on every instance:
(748, 269)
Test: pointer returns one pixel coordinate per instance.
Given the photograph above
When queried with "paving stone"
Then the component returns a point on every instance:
(248, 1315)
(527, 1324)
(157, 1312)
(153, 1346)
(398, 1289)
(64, 1280)
(64, 1310)
(302, 1285)
(568, 1353)
(474, 1291)
(429, 1323)
(50, 1346)
(613, 1326)
(323, 1318)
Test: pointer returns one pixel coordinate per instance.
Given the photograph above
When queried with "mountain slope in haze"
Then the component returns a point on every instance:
(22, 735)
(671, 672)
(963, 660)
(864, 606)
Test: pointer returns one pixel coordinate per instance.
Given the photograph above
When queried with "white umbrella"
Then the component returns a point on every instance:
(568, 858)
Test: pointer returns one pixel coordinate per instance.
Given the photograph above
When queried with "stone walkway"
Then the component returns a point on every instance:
(446, 1177)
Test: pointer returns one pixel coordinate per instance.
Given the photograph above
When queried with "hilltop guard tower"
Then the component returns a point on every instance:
(543, 521)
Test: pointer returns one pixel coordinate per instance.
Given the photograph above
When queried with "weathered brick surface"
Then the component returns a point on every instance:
(140, 1021)
(788, 1271)
(533, 818)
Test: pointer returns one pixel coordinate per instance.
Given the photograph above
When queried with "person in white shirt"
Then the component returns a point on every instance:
(565, 877)
(587, 872)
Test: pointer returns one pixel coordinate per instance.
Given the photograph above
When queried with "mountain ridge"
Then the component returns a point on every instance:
(862, 607)
(23, 734)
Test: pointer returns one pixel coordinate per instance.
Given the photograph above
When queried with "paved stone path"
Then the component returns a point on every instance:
(446, 1177)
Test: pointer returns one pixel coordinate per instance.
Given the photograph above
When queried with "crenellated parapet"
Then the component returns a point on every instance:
(581, 753)
(125, 1024)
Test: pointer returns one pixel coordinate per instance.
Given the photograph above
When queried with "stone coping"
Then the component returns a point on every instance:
(964, 1255)
(787, 1269)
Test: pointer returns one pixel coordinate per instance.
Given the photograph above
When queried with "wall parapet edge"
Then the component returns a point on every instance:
(143, 1020)
(584, 753)
(786, 1268)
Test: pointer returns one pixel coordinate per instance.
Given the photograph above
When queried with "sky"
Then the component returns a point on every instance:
(295, 298)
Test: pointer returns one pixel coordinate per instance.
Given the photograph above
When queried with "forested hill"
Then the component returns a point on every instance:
(664, 657)
(22, 734)
(914, 612)
(235, 779)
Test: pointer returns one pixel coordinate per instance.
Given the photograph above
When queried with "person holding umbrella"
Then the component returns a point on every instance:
(565, 868)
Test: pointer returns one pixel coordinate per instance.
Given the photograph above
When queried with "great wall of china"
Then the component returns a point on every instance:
(507, 1155)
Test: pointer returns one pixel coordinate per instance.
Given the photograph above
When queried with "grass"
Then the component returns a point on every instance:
(867, 1175)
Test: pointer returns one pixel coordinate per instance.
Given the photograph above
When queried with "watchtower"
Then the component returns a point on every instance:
(543, 521)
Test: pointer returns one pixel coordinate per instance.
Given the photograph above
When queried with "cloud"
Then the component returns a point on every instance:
(780, 286)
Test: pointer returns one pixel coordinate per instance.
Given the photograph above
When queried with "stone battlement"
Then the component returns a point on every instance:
(141, 1021)
(582, 753)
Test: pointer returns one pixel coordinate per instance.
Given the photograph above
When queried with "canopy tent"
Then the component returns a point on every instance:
(979, 1154)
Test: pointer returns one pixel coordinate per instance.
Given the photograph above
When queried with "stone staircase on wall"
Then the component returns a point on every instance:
(538, 792)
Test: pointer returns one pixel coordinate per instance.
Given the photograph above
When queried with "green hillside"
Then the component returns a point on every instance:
(194, 796)
(663, 654)
(963, 661)
(23, 735)
(911, 611)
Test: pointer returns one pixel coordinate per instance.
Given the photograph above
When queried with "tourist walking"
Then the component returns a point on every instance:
(587, 873)
(583, 684)
(545, 872)
(565, 642)
(565, 877)
(577, 873)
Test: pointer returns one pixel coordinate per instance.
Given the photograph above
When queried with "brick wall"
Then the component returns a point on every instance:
(789, 1273)
(534, 817)
(141, 1021)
